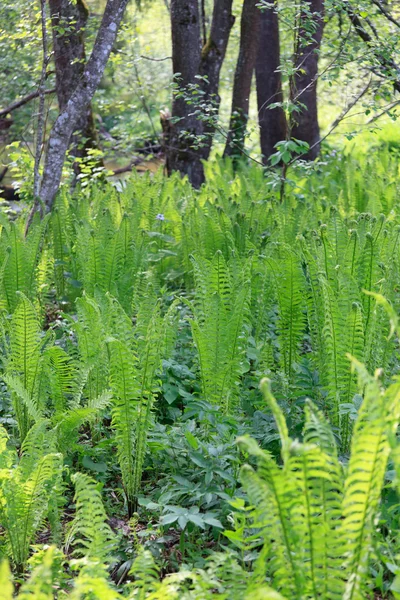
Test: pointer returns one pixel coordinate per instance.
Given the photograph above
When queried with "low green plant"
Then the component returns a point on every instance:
(220, 310)
(311, 514)
(28, 484)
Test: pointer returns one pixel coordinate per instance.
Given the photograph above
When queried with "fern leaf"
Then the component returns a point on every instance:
(89, 532)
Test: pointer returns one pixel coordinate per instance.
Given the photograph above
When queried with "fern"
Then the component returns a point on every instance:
(24, 366)
(25, 492)
(89, 533)
(317, 524)
(218, 328)
(289, 289)
(135, 359)
(369, 454)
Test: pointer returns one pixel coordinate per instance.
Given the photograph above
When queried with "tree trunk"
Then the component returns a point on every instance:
(77, 105)
(249, 30)
(212, 58)
(304, 124)
(68, 20)
(194, 122)
(272, 122)
(185, 127)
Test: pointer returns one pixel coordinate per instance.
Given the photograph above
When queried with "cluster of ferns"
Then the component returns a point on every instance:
(303, 292)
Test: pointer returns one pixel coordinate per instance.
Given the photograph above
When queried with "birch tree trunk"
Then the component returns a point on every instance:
(68, 20)
(272, 122)
(77, 105)
(249, 34)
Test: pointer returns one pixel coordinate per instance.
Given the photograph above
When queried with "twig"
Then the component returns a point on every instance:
(156, 59)
(338, 120)
(383, 112)
(143, 99)
(386, 63)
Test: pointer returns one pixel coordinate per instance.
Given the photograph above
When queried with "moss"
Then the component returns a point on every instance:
(207, 48)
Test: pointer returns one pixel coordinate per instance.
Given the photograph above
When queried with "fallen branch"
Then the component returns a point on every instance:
(129, 167)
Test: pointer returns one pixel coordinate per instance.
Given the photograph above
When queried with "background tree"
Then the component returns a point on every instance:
(249, 35)
(303, 85)
(272, 121)
(212, 58)
(195, 105)
(181, 154)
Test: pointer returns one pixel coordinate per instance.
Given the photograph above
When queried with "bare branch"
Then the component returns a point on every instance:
(18, 103)
(340, 118)
(383, 112)
(156, 59)
(385, 12)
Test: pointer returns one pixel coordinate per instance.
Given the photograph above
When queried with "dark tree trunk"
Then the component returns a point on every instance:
(303, 91)
(249, 30)
(212, 58)
(68, 21)
(269, 84)
(77, 105)
(186, 54)
(183, 130)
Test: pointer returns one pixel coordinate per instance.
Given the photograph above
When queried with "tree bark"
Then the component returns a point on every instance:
(272, 122)
(304, 125)
(249, 34)
(212, 58)
(185, 126)
(194, 122)
(68, 21)
(78, 103)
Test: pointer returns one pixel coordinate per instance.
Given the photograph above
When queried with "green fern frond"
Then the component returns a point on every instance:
(126, 391)
(369, 454)
(24, 501)
(68, 425)
(44, 577)
(274, 501)
(89, 533)
(265, 386)
(146, 574)
(24, 364)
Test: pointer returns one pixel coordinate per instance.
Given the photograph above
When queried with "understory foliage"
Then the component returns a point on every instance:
(138, 457)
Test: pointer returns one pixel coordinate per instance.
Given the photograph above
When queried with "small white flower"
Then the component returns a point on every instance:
(160, 217)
